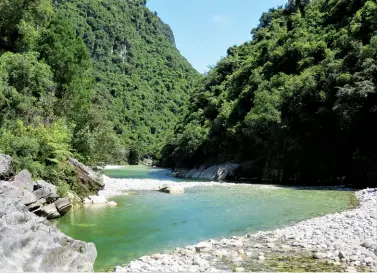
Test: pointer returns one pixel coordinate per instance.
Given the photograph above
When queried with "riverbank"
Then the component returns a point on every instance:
(342, 241)
(115, 187)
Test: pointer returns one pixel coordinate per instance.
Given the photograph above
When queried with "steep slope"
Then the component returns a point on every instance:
(296, 103)
(101, 81)
(140, 77)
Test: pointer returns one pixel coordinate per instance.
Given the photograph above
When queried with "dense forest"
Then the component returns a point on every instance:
(296, 103)
(100, 80)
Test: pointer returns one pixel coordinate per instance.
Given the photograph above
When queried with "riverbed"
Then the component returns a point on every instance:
(147, 222)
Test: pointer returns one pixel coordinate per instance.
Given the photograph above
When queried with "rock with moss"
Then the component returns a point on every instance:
(88, 179)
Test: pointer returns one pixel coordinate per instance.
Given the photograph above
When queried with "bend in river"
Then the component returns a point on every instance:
(147, 222)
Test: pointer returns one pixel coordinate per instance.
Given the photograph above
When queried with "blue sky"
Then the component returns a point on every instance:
(205, 29)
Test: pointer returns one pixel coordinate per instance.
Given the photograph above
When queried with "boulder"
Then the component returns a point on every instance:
(87, 177)
(148, 161)
(46, 193)
(24, 181)
(173, 190)
(203, 247)
(6, 170)
(94, 199)
(369, 243)
(227, 171)
(30, 243)
(210, 173)
(63, 205)
(50, 211)
(43, 184)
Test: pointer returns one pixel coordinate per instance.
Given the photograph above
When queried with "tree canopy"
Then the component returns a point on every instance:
(100, 80)
(297, 103)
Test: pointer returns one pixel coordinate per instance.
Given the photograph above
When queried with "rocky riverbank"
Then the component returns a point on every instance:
(345, 241)
(28, 242)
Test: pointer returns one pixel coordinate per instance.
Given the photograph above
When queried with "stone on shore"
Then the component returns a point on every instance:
(50, 211)
(370, 243)
(203, 247)
(87, 177)
(173, 190)
(63, 205)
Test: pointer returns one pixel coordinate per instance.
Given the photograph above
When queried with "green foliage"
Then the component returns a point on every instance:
(100, 80)
(296, 103)
(141, 80)
(38, 147)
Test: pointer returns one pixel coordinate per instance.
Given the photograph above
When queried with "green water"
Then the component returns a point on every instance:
(151, 222)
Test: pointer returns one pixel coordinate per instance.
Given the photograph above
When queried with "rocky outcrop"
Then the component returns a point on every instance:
(6, 170)
(87, 177)
(31, 243)
(226, 171)
(39, 196)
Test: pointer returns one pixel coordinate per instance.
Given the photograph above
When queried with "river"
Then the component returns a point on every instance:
(148, 222)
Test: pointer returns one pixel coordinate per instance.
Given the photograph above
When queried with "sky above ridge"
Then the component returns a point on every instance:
(205, 29)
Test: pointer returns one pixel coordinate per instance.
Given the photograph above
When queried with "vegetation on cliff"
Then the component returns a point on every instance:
(100, 80)
(297, 102)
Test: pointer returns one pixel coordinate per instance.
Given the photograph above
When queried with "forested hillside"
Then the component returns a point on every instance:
(100, 80)
(296, 103)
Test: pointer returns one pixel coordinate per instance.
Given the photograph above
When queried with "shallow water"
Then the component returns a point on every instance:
(150, 222)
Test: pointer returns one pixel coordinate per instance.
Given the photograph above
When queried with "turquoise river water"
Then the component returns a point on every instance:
(149, 222)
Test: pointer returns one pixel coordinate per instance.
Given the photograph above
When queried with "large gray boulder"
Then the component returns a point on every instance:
(24, 181)
(50, 211)
(30, 243)
(47, 194)
(5, 167)
(63, 205)
(227, 171)
(87, 177)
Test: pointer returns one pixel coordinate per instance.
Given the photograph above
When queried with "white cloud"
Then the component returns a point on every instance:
(220, 19)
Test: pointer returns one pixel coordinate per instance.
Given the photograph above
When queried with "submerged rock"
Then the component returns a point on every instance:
(30, 243)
